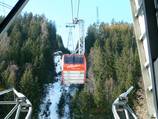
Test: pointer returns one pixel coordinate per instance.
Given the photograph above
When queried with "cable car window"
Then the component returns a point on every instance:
(73, 59)
(68, 60)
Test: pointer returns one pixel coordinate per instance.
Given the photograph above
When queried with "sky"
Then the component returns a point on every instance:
(60, 11)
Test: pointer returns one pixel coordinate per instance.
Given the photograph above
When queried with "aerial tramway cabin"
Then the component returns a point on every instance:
(73, 69)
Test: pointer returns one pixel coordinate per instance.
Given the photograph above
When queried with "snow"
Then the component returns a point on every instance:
(49, 107)
(57, 60)
(55, 94)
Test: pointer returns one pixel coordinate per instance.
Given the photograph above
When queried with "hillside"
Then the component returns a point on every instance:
(113, 66)
(26, 57)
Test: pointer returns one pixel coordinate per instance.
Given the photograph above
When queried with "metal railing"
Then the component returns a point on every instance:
(20, 102)
(121, 104)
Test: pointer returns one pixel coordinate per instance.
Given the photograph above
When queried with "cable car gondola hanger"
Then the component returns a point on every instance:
(74, 64)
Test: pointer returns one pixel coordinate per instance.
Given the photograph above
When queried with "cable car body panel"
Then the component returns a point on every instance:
(73, 69)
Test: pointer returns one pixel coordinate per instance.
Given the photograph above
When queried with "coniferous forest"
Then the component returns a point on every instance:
(113, 66)
(26, 63)
(26, 56)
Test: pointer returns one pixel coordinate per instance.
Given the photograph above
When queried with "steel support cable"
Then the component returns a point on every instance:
(5, 5)
(72, 9)
(78, 8)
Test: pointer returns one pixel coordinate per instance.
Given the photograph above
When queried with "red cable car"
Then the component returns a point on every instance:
(73, 69)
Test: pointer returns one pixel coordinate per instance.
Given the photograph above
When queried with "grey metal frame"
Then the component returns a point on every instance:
(22, 104)
(12, 15)
(122, 101)
(146, 32)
